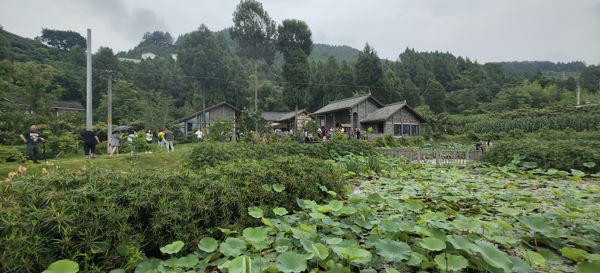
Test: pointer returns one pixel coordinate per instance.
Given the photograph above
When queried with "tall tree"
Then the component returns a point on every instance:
(254, 30)
(369, 72)
(295, 42)
(294, 34)
(61, 39)
(435, 96)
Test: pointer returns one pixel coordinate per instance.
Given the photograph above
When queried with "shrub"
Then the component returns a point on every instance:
(208, 154)
(109, 217)
(559, 154)
(11, 154)
(67, 143)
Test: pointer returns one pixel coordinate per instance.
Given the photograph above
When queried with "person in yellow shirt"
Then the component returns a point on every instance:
(161, 138)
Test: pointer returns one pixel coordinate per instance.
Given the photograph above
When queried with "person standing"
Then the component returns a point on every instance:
(32, 138)
(161, 138)
(199, 135)
(90, 139)
(169, 138)
(115, 142)
(357, 133)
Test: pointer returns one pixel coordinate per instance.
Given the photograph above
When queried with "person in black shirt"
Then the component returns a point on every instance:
(90, 139)
(32, 138)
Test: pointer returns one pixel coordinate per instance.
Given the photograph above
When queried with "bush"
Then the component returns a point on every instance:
(105, 219)
(559, 154)
(67, 143)
(208, 154)
(11, 154)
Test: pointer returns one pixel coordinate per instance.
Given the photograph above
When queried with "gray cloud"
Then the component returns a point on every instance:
(493, 30)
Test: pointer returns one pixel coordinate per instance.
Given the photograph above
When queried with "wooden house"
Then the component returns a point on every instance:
(366, 112)
(285, 120)
(203, 118)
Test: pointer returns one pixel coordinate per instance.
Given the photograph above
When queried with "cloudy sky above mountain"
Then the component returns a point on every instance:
(498, 30)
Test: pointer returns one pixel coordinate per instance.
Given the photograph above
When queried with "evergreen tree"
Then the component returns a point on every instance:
(369, 72)
(435, 96)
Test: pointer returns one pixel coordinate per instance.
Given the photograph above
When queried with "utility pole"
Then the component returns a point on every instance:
(578, 94)
(88, 109)
(109, 119)
(256, 98)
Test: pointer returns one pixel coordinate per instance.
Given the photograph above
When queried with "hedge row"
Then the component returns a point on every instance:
(208, 154)
(106, 219)
(557, 154)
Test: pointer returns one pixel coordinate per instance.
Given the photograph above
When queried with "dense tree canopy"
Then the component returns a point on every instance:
(61, 39)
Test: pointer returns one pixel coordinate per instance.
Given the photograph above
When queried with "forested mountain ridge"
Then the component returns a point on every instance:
(531, 68)
(210, 68)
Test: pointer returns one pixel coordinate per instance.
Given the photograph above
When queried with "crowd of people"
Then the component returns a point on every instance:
(164, 138)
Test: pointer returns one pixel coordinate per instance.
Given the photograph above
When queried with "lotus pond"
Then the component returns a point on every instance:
(401, 217)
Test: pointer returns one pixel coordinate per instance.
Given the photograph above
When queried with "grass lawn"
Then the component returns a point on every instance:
(139, 161)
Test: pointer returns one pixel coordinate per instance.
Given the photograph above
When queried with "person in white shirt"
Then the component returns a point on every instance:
(199, 135)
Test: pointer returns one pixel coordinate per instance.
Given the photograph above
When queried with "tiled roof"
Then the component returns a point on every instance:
(206, 110)
(342, 104)
(384, 112)
(66, 105)
(281, 116)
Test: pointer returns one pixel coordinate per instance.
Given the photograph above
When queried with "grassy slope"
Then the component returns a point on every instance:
(140, 161)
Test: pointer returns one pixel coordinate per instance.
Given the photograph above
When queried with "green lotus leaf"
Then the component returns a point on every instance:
(278, 187)
(541, 225)
(208, 244)
(256, 234)
(347, 210)
(510, 211)
(63, 266)
(260, 265)
(232, 247)
(172, 248)
(241, 264)
(266, 187)
(416, 259)
(336, 205)
(188, 261)
(334, 241)
(281, 249)
(291, 262)
(389, 226)
(317, 215)
(535, 258)
(433, 244)
(414, 205)
(393, 251)
(459, 242)
(492, 256)
(589, 165)
(280, 211)
(227, 231)
(148, 266)
(448, 262)
(255, 212)
(574, 254)
(354, 254)
(520, 266)
(589, 267)
(320, 250)
(577, 173)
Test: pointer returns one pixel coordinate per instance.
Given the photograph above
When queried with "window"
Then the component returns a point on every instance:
(405, 129)
(414, 130)
(206, 117)
(397, 129)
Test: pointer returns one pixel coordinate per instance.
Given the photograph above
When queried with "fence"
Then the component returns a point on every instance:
(437, 156)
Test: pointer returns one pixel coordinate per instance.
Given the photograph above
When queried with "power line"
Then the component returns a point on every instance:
(225, 80)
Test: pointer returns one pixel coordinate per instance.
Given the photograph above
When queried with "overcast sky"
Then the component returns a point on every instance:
(485, 30)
